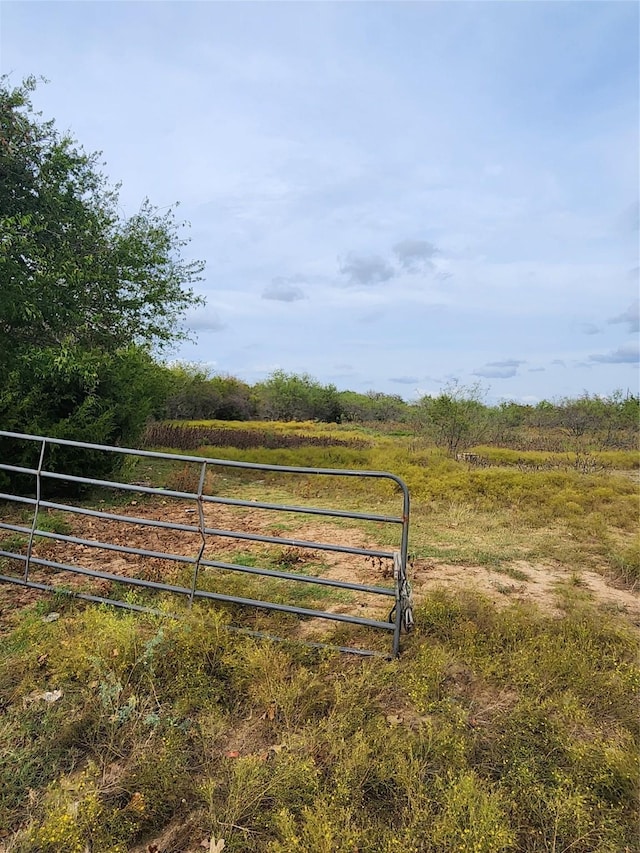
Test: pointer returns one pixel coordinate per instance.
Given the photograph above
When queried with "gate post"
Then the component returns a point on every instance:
(36, 509)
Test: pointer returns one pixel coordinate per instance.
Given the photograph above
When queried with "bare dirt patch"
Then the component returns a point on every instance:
(533, 583)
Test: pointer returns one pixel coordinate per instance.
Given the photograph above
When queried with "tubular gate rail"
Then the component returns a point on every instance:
(400, 617)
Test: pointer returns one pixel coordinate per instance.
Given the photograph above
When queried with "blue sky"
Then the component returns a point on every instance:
(389, 195)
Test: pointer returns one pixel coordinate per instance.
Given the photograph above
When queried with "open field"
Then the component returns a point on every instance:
(508, 723)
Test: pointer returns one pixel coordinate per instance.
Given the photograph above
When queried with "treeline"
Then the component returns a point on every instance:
(455, 418)
(194, 394)
(131, 391)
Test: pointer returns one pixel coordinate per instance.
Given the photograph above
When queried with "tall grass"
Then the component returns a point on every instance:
(526, 506)
(584, 460)
(540, 496)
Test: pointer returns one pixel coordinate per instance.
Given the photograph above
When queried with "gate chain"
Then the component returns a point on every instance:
(405, 598)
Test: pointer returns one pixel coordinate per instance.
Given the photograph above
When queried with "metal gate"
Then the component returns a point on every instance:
(400, 616)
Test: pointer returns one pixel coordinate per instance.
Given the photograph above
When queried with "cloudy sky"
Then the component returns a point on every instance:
(387, 195)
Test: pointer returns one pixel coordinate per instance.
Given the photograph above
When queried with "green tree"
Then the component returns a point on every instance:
(288, 397)
(455, 419)
(73, 270)
(191, 394)
(85, 294)
(237, 399)
(599, 420)
(627, 412)
(373, 406)
(196, 394)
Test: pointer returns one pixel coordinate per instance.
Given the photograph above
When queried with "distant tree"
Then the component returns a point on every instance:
(581, 415)
(544, 414)
(191, 395)
(512, 414)
(237, 399)
(289, 397)
(600, 420)
(455, 419)
(627, 409)
(195, 393)
(589, 420)
(373, 406)
(505, 419)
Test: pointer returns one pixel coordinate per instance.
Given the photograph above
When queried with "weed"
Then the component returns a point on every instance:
(14, 542)
(473, 818)
(53, 522)
(625, 564)
(511, 572)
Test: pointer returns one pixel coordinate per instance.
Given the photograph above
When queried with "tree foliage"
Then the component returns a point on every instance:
(85, 293)
(455, 419)
(197, 395)
(73, 270)
(289, 397)
(373, 406)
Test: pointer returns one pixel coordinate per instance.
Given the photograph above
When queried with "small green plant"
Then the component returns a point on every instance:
(53, 522)
(625, 564)
(474, 817)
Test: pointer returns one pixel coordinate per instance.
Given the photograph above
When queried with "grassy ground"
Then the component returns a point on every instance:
(579, 508)
(498, 729)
